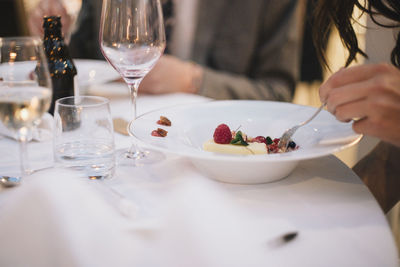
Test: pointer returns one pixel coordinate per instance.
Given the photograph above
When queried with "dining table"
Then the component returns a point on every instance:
(170, 214)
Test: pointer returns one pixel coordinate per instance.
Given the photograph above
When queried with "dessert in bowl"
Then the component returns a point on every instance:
(192, 126)
(226, 141)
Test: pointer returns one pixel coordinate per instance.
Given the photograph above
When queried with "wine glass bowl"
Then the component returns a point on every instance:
(25, 87)
(132, 36)
(132, 39)
(135, 63)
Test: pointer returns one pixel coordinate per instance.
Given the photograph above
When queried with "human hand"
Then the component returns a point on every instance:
(369, 94)
(48, 8)
(170, 75)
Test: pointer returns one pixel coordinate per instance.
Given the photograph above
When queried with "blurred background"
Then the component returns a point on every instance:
(24, 17)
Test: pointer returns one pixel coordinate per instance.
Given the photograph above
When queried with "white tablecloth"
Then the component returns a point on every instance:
(168, 214)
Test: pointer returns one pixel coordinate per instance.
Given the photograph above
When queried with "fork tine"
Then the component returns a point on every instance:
(287, 135)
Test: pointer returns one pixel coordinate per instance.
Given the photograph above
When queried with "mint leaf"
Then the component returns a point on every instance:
(238, 140)
(269, 140)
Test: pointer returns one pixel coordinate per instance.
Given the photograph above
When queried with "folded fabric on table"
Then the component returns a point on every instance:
(54, 218)
(39, 133)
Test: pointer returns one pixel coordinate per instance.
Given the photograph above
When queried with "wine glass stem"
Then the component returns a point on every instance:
(23, 152)
(134, 150)
(133, 90)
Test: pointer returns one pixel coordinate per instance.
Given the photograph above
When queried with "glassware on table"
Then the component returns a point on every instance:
(132, 39)
(84, 136)
(25, 89)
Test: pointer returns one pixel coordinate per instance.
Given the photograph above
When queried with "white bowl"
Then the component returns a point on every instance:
(194, 124)
(94, 72)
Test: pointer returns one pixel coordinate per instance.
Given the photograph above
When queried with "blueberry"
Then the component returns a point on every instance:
(292, 144)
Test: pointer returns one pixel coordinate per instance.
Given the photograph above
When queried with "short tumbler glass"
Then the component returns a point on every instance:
(84, 136)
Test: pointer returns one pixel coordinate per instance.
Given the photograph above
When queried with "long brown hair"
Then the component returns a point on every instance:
(339, 13)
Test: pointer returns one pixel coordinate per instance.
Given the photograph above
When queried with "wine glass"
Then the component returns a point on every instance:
(132, 39)
(25, 89)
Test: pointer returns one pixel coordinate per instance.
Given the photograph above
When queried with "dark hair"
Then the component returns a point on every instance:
(340, 14)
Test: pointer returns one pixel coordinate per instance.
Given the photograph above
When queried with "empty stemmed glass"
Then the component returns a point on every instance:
(25, 88)
(132, 39)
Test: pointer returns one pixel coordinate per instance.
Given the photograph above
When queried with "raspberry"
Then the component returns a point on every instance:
(259, 139)
(273, 148)
(222, 134)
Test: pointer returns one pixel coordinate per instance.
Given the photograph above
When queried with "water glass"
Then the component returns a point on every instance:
(84, 136)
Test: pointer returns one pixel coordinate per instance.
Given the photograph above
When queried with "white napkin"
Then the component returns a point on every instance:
(42, 132)
(56, 219)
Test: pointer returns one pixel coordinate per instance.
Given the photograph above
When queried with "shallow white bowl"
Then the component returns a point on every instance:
(194, 124)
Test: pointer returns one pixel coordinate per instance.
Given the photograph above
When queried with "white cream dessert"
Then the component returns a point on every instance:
(251, 149)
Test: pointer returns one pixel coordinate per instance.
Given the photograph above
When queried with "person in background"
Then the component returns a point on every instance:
(223, 49)
(368, 95)
(47, 7)
(85, 40)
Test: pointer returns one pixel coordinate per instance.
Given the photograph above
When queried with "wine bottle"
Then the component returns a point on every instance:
(61, 66)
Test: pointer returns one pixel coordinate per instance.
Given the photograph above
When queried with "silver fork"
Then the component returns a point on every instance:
(287, 135)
